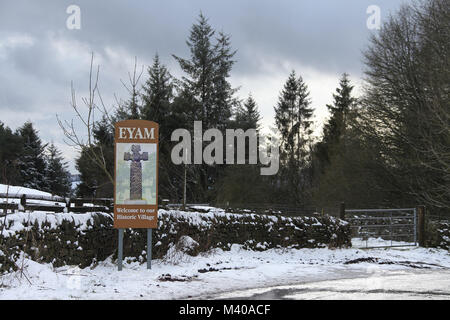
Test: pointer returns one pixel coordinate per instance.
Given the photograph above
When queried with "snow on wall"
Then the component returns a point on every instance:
(22, 221)
(83, 239)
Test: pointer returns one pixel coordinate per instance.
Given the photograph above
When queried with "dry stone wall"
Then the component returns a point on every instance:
(84, 239)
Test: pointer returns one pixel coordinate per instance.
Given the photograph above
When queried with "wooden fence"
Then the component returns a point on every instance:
(31, 202)
(277, 209)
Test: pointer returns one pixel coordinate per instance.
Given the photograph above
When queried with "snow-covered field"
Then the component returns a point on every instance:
(214, 274)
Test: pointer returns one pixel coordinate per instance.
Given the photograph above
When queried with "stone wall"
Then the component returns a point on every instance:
(438, 234)
(84, 239)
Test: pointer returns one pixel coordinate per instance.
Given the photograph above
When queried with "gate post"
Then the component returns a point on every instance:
(421, 225)
(23, 202)
(68, 201)
(342, 211)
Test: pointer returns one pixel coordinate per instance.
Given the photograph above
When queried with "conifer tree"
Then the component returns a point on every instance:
(130, 108)
(57, 175)
(199, 69)
(206, 72)
(158, 106)
(95, 182)
(157, 96)
(205, 94)
(293, 119)
(248, 116)
(334, 156)
(335, 128)
(10, 150)
(224, 100)
(31, 161)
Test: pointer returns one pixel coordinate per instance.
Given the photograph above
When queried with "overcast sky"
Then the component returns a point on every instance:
(40, 56)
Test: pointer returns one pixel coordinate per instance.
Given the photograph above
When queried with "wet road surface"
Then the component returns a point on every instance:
(382, 285)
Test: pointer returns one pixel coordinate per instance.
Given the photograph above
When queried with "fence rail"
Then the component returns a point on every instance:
(33, 202)
(53, 203)
(273, 209)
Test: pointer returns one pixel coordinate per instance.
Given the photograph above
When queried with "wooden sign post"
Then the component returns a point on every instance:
(136, 179)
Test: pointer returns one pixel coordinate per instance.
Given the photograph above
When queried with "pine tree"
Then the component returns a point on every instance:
(200, 68)
(10, 150)
(335, 128)
(334, 156)
(129, 109)
(205, 94)
(293, 119)
(158, 105)
(207, 71)
(224, 101)
(157, 96)
(57, 175)
(32, 161)
(248, 116)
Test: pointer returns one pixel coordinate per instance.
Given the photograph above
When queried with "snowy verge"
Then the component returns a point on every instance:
(213, 272)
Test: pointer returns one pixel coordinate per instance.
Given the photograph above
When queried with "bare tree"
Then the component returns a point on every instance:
(407, 100)
(83, 139)
(133, 91)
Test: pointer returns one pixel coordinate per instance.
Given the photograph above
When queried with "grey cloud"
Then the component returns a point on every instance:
(325, 35)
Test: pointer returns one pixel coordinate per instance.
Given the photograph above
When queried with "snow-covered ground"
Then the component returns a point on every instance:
(275, 273)
(215, 273)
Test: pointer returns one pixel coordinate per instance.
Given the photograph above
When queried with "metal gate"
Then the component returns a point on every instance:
(381, 228)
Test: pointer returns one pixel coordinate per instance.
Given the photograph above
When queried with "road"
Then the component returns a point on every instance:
(380, 285)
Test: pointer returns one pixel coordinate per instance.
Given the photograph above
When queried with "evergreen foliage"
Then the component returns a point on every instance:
(56, 173)
(205, 94)
(337, 124)
(248, 116)
(11, 148)
(95, 182)
(31, 162)
(293, 119)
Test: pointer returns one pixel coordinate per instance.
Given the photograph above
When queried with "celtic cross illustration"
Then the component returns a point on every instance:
(135, 170)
